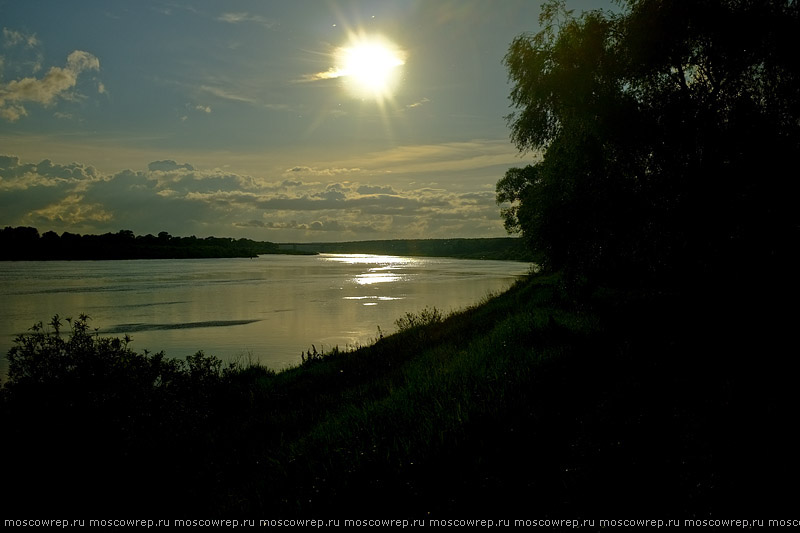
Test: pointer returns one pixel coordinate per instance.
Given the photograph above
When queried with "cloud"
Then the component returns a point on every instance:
(32, 193)
(331, 194)
(186, 200)
(56, 84)
(71, 210)
(322, 225)
(473, 160)
(477, 197)
(418, 103)
(16, 176)
(227, 94)
(330, 74)
(239, 17)
(313, 171)
(13, 38)
(241, 93)
(375, 189)
(167, 165)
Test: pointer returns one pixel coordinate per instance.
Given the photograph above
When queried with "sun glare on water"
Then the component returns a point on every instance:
(370, 66)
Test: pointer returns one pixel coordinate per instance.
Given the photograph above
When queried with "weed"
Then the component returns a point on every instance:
(425, 317)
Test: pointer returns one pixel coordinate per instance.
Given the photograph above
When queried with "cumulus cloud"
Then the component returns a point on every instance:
(375, 189)
(70, 211)
(54, 85)
(331, 194)
(185, 200)
(35, 193)
(15, 175)
(167, 165)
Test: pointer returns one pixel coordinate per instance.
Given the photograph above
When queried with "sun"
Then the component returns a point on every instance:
(370, 66)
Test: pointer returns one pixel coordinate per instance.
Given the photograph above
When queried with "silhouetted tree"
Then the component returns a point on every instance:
(24, 243)
(666, 136)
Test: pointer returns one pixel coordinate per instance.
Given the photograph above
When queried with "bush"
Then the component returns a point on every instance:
(98, 365)
(429, 315)
(118, 414)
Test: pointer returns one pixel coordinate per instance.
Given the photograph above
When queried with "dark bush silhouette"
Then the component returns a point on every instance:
(78, 406)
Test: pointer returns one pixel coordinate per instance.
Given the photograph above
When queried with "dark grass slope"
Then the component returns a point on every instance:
(538, 402)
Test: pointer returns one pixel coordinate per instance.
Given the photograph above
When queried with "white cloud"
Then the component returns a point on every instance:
(418, 103)
(56, 84)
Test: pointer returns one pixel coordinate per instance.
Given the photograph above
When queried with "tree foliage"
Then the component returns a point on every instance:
(664, 135)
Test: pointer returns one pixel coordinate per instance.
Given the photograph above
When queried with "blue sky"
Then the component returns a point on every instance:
(223, 118)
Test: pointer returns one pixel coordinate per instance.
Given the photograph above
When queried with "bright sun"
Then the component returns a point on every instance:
(370, 66)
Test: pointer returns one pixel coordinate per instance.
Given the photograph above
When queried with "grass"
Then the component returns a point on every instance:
(534, 403)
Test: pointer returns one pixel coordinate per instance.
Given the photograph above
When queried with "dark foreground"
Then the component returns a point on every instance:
(540, 402)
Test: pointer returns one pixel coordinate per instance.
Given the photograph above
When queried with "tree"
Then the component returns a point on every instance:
(664, 134)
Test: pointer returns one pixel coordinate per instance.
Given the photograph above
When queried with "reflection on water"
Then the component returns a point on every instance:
(385, 272)
(269, 308)
(370, 259)
(369, 278)
(381, 298)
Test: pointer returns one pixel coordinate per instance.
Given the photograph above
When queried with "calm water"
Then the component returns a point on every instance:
(269, 308)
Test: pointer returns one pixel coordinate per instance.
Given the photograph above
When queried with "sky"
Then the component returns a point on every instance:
(301, 121)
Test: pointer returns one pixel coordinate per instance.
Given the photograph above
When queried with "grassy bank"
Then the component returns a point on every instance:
(538, 402)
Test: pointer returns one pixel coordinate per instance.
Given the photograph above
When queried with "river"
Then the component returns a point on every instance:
(265, 309)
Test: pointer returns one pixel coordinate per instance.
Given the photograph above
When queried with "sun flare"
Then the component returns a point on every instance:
(370, 66)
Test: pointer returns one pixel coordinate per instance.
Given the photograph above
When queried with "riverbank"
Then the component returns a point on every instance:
(538, 402)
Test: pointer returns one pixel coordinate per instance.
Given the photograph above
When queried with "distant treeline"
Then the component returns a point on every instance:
(25, 243)
(502, 248)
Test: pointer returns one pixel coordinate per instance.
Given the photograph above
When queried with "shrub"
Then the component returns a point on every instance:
(429, 315)
(83, 369)
(117, 413)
